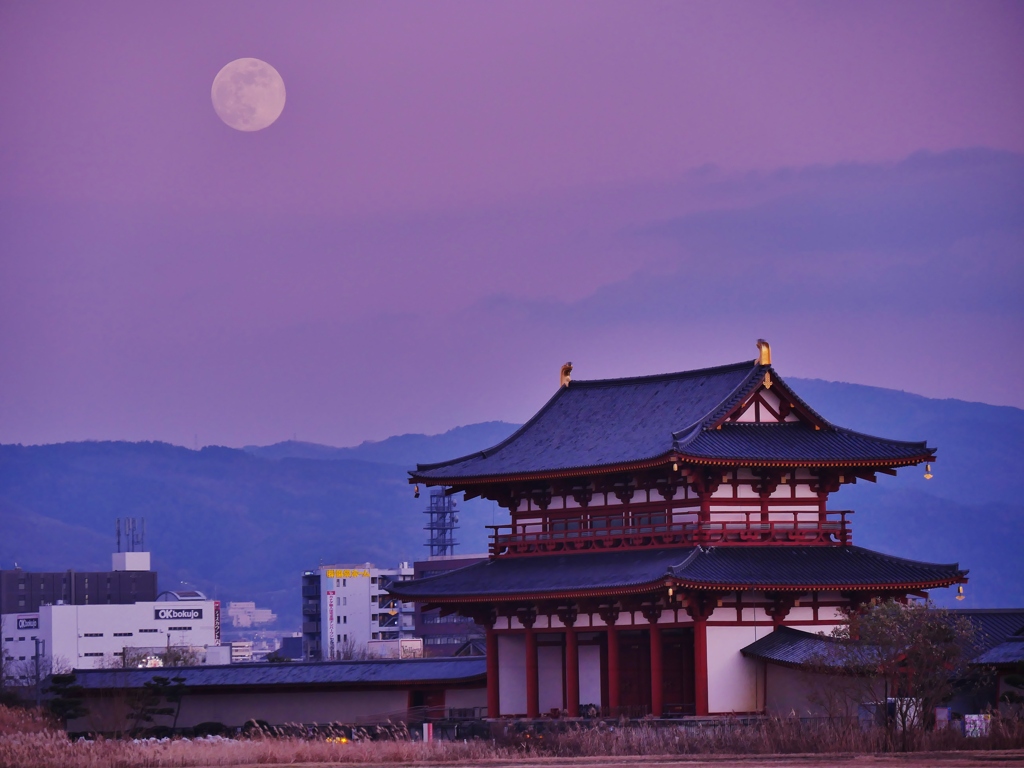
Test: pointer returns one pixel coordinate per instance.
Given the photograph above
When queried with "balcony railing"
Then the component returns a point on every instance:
(801, 528)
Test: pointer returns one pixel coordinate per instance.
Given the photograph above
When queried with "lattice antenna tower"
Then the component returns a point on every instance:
(443, 521)
(134, 534)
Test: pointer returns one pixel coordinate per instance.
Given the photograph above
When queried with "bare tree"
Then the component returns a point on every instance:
(915, 652)
(350, 650)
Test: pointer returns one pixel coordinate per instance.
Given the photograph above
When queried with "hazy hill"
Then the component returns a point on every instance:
(404, 450)
(243, 524)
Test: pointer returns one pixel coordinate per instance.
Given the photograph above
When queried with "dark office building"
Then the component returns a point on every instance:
(23, 592)
(445, 635)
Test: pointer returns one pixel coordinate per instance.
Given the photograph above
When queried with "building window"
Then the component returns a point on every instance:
(373, 598)
(93, 654)
(21, 602)
(179, 629)
(339, 619)
(344, 638)
(94, 634)
(149, 630)
(344, 582)
(344, 619)
(344, 601)
(373, 579)
(21, 639)
(21, 585)
(123, 634)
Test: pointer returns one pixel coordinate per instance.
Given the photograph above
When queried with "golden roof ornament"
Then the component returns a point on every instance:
(764, 352)
(565, 375)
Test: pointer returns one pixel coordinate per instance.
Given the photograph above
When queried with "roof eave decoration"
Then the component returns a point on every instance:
(679, 457)
(680, 584)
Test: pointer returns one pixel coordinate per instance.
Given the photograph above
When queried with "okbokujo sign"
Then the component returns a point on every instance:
(28, 622)
(167, 614)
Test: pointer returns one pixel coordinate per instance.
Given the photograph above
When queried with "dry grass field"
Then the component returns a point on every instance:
(30, 740)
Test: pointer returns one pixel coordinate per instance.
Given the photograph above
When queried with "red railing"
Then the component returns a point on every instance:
(539, 538)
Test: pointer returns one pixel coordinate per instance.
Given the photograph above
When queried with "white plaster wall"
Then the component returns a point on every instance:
(803, 612)
(792, 691)
(788, 692)
(512, 674)
(590, 674)
(732, 678)
(549, 672)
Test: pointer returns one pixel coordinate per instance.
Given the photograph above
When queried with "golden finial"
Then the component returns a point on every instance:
(764, 352)
(565, 375)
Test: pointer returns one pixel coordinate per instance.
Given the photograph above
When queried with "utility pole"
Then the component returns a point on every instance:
(40, 644)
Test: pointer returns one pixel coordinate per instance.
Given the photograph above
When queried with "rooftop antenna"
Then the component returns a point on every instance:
(442, 524)
(134, 534)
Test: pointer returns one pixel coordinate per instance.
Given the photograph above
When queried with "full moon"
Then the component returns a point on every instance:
(248, 94)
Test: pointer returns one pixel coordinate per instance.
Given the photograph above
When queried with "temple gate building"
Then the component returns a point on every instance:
(658, 526)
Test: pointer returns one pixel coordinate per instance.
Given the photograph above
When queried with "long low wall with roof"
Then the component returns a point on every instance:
(347, 692)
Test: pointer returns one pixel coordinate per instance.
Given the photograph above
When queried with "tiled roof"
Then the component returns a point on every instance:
(795, 442)
(811, 566)
(795, 648)
(1009, 652)
(326, 673)
(615, 422)
(994, 624)
(697, 567)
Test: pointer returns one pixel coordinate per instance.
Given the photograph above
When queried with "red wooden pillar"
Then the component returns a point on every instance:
(657, 699)
(572, 673)
(572, 662)
(532, 682)
(700, 663)
(610, 615)
(493, 698)
(652, 613)
(700, 605)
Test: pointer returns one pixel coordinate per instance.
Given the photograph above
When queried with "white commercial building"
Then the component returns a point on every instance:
(346, 608)
(94, 636)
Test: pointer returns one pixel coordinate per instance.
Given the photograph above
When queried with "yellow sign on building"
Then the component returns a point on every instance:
(346, 573)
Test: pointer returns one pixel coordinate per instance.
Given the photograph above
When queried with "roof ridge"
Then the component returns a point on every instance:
(663, 376)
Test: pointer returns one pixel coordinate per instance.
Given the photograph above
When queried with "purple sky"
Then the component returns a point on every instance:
(459, 197)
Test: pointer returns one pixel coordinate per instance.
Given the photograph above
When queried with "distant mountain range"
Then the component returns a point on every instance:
(242, 524)
(403, 450)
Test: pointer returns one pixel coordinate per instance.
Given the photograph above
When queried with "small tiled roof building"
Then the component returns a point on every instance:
(659, 525)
